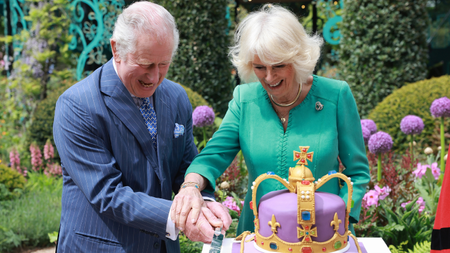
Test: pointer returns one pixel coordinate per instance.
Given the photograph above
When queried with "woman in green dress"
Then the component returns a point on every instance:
(285, 108)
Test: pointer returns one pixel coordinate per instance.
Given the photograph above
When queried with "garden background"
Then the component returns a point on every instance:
(395, 55)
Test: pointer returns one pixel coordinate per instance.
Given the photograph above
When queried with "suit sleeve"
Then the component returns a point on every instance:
(352, 151)
(190, 150)
(222, 148)
(93, 169)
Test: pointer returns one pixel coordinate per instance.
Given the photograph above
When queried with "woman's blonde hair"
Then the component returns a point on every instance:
(275, 35)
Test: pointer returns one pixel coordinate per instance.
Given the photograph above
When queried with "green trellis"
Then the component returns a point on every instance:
(92, 27)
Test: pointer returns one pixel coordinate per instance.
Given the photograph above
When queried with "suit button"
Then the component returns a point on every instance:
(156, 245)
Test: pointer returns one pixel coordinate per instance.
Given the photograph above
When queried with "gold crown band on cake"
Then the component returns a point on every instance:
(301, 182)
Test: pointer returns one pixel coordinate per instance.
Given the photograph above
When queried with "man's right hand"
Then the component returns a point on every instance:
(202, 230)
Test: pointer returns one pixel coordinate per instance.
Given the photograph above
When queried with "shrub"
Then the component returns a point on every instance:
(383, 46)
(201, 62)
(412, 99)
(41, 128)
(11, 179)
(26, 221)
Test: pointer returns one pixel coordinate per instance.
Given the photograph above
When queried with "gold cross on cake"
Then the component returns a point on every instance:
(303, 156)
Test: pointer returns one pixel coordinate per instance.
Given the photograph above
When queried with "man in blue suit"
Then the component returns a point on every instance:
(124, 135)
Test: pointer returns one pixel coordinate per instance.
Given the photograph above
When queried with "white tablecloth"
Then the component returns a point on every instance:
(372, 245)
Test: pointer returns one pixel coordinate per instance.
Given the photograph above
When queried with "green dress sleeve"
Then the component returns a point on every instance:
(352, 152)
(222, 148)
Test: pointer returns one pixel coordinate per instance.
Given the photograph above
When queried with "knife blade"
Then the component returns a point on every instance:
(217, 240)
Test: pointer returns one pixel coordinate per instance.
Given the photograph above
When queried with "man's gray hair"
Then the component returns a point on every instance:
(143, 18)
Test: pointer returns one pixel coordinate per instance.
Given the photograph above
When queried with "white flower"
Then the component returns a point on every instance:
(428, 151)
(224, 185)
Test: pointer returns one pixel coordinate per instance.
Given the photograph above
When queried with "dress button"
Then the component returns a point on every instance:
(156, 245)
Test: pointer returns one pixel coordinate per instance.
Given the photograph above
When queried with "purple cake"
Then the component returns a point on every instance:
(300, 219)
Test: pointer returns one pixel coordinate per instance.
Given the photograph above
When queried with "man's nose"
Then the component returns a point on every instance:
(152, 74)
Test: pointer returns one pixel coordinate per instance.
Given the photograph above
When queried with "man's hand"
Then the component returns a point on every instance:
(216, 211)
(201, 231)
(188, 201)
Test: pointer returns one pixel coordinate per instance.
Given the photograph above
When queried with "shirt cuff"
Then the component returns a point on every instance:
(208, 199)
(171, 230)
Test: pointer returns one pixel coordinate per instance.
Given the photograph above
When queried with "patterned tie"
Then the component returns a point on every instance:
(149, 115)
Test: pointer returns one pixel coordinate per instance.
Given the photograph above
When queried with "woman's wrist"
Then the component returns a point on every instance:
(190, 184)
(194, 179)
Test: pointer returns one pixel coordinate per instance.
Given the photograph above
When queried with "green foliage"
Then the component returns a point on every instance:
(412, 99)
(12, 181)
(188, 246)
(406, 225)
(383, 46)
(201, 62)
(43, 60)
(26, 221)
(53, 237)
(41, 128)
(419, 247)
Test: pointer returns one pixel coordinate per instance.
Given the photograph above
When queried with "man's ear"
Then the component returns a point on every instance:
(114, 50)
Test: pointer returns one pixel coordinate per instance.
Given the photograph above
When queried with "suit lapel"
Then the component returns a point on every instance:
(120, 102)
(165, 116)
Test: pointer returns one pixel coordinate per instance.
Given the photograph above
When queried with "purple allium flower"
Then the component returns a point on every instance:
(411, 124)
(380, 142)
(440, 107)
(203, 116)
(366, 134)
(370, 124)
(420, 201)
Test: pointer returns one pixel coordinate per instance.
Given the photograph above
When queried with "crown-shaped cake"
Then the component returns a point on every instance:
(317, 223)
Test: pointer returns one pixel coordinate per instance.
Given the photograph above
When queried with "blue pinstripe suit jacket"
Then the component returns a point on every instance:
(117, 189)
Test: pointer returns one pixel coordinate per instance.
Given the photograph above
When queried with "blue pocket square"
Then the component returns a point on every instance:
(178, 131)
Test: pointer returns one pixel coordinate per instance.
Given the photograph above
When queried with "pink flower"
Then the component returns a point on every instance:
(48, 150)
(371, 198)
(404, 204)
(36, 157)
(231, 204)
(53, 169)
(421, 170)
(383, 192)
(420, 201)
(14, 159)
(435, 170)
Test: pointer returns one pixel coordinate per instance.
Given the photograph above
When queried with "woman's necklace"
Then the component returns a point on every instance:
(291, 103)
(282, 117)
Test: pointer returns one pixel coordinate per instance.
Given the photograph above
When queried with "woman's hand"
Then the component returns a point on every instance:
(188, 201)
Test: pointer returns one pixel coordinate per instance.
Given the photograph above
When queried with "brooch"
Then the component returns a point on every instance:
(319, 106)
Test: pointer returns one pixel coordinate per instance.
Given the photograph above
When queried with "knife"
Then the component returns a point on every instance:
(217, 240)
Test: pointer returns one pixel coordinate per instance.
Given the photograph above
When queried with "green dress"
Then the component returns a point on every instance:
(252, 125)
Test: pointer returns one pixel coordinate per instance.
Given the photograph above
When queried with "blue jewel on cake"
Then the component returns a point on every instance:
(300, 218)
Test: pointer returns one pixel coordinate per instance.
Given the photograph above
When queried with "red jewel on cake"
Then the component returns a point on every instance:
(304, 150)
(306, 250)
(309, 156)
(306, 227)
(324, 249)
(262, 243)
(251, 205)
(345, 242)
(302, 160)
(290, 249)
(297, 155)
(306, 182)
(307, 239)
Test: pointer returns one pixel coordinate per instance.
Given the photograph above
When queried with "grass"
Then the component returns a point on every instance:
(27, 220)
